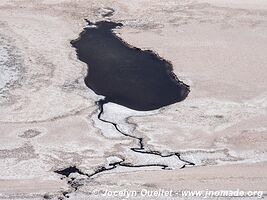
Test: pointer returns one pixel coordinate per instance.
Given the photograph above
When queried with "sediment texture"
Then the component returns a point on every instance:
(49, 118)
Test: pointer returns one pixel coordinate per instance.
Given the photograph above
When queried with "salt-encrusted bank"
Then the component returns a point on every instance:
(49, 121)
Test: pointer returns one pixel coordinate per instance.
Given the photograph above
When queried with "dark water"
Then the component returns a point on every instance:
(67, 171)
(126, 75)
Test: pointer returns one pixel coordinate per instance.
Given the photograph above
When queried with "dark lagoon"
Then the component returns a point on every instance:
(126, 75)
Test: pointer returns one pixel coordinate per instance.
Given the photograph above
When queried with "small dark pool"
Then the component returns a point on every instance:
(126, 75)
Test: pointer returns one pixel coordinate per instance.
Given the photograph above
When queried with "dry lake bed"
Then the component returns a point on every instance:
(87, 121)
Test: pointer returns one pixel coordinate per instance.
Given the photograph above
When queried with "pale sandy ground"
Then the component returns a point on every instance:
(48, 116)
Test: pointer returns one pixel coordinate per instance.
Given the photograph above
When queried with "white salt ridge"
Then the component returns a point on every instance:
(3, 69)
(8, 66)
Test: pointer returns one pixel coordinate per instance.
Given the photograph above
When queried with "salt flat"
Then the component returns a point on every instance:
(48, 117)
